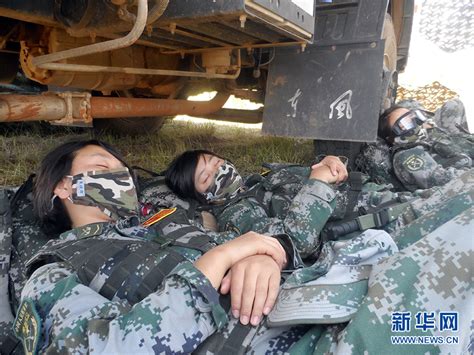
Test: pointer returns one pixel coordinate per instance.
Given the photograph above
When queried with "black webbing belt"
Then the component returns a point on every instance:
(133, 269)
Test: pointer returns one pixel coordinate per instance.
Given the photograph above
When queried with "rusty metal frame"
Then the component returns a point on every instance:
(126, 41)
(247, 46)
(78, 109)
(143, 71)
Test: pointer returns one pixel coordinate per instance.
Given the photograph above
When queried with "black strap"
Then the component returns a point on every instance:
(151, 172)
(378, 208)
(355, 182)
(231, 344)
(155, 278)
(130, 286)
(199, 242)
(134, 267)
(87, 255)
(126, 263)
(9, 345)
(234, 343)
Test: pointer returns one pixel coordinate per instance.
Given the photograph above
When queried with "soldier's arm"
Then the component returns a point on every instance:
(304, 220)
(307, 215)
(71, 317)
(416, 169)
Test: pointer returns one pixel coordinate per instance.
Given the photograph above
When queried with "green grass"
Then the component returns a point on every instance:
(22, 149)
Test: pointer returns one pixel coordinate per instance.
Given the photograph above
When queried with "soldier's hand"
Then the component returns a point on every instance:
(253, 284)
(252, 243)
(337, 169)
(216, 262)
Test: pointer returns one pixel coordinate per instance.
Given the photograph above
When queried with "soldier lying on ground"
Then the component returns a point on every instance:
(298, 338)
(417, 151)
(307, 297)
(300, 210)
(118, 285)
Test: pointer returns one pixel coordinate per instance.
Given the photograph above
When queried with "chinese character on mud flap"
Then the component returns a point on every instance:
(401, 321)
(342, 106)
(294, 102)
(425, 321)
(448, 321)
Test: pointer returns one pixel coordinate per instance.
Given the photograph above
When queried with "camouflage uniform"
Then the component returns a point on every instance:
(284, 201)
(142, 327)
(432, 274)
(25, 240)
(6, 316)
(433, 160)
(113, 322)
(365, 280)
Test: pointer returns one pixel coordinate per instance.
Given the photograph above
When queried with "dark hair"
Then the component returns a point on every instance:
(55, 165)
(385, 129)
(180, 174)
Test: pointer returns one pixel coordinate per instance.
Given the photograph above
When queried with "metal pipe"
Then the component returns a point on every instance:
(157, 10)
(16, 108)
(111, 107)
(141, 71)
(122, 42)
(76, 107)
(246, 46)
(199, 37)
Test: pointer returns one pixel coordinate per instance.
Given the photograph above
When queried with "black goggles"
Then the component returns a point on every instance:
(406, 123)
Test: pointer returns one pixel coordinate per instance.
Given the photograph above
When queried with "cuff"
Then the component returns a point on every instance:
(292, 255)
(197, 280)
(320, 189)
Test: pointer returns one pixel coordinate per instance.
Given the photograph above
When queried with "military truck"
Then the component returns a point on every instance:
(324, 69)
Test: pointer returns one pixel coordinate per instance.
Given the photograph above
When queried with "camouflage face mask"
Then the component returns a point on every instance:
(113, 191)
(227, 184)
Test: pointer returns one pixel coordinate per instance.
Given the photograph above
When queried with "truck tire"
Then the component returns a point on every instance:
(130, 125)
(389, 63)
(390, 50)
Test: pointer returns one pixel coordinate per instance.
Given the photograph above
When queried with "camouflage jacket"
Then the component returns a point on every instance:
(435, 161)
(423, 292)
(84, 320)
(283, 201)
(6, 315)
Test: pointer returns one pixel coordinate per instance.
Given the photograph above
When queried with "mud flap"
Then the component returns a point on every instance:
(326, 92)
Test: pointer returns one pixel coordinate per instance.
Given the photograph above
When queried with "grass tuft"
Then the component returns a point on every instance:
(22, 149)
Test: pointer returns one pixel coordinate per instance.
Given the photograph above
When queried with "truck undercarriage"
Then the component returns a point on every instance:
(96, 59)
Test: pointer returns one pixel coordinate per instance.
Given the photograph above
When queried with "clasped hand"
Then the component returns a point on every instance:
(330, 170)
(252, 263)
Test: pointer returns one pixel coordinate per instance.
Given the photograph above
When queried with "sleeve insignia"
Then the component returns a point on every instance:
(414, 163)
(27, 327)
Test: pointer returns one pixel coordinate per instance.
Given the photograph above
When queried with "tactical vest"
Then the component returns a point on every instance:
(131, 268)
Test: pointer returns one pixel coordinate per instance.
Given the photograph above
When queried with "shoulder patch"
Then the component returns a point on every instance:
(414, 163)
(90, 230)
(159, 216)
(27, 326)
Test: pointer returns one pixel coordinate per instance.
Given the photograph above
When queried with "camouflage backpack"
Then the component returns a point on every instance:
(21, 237)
